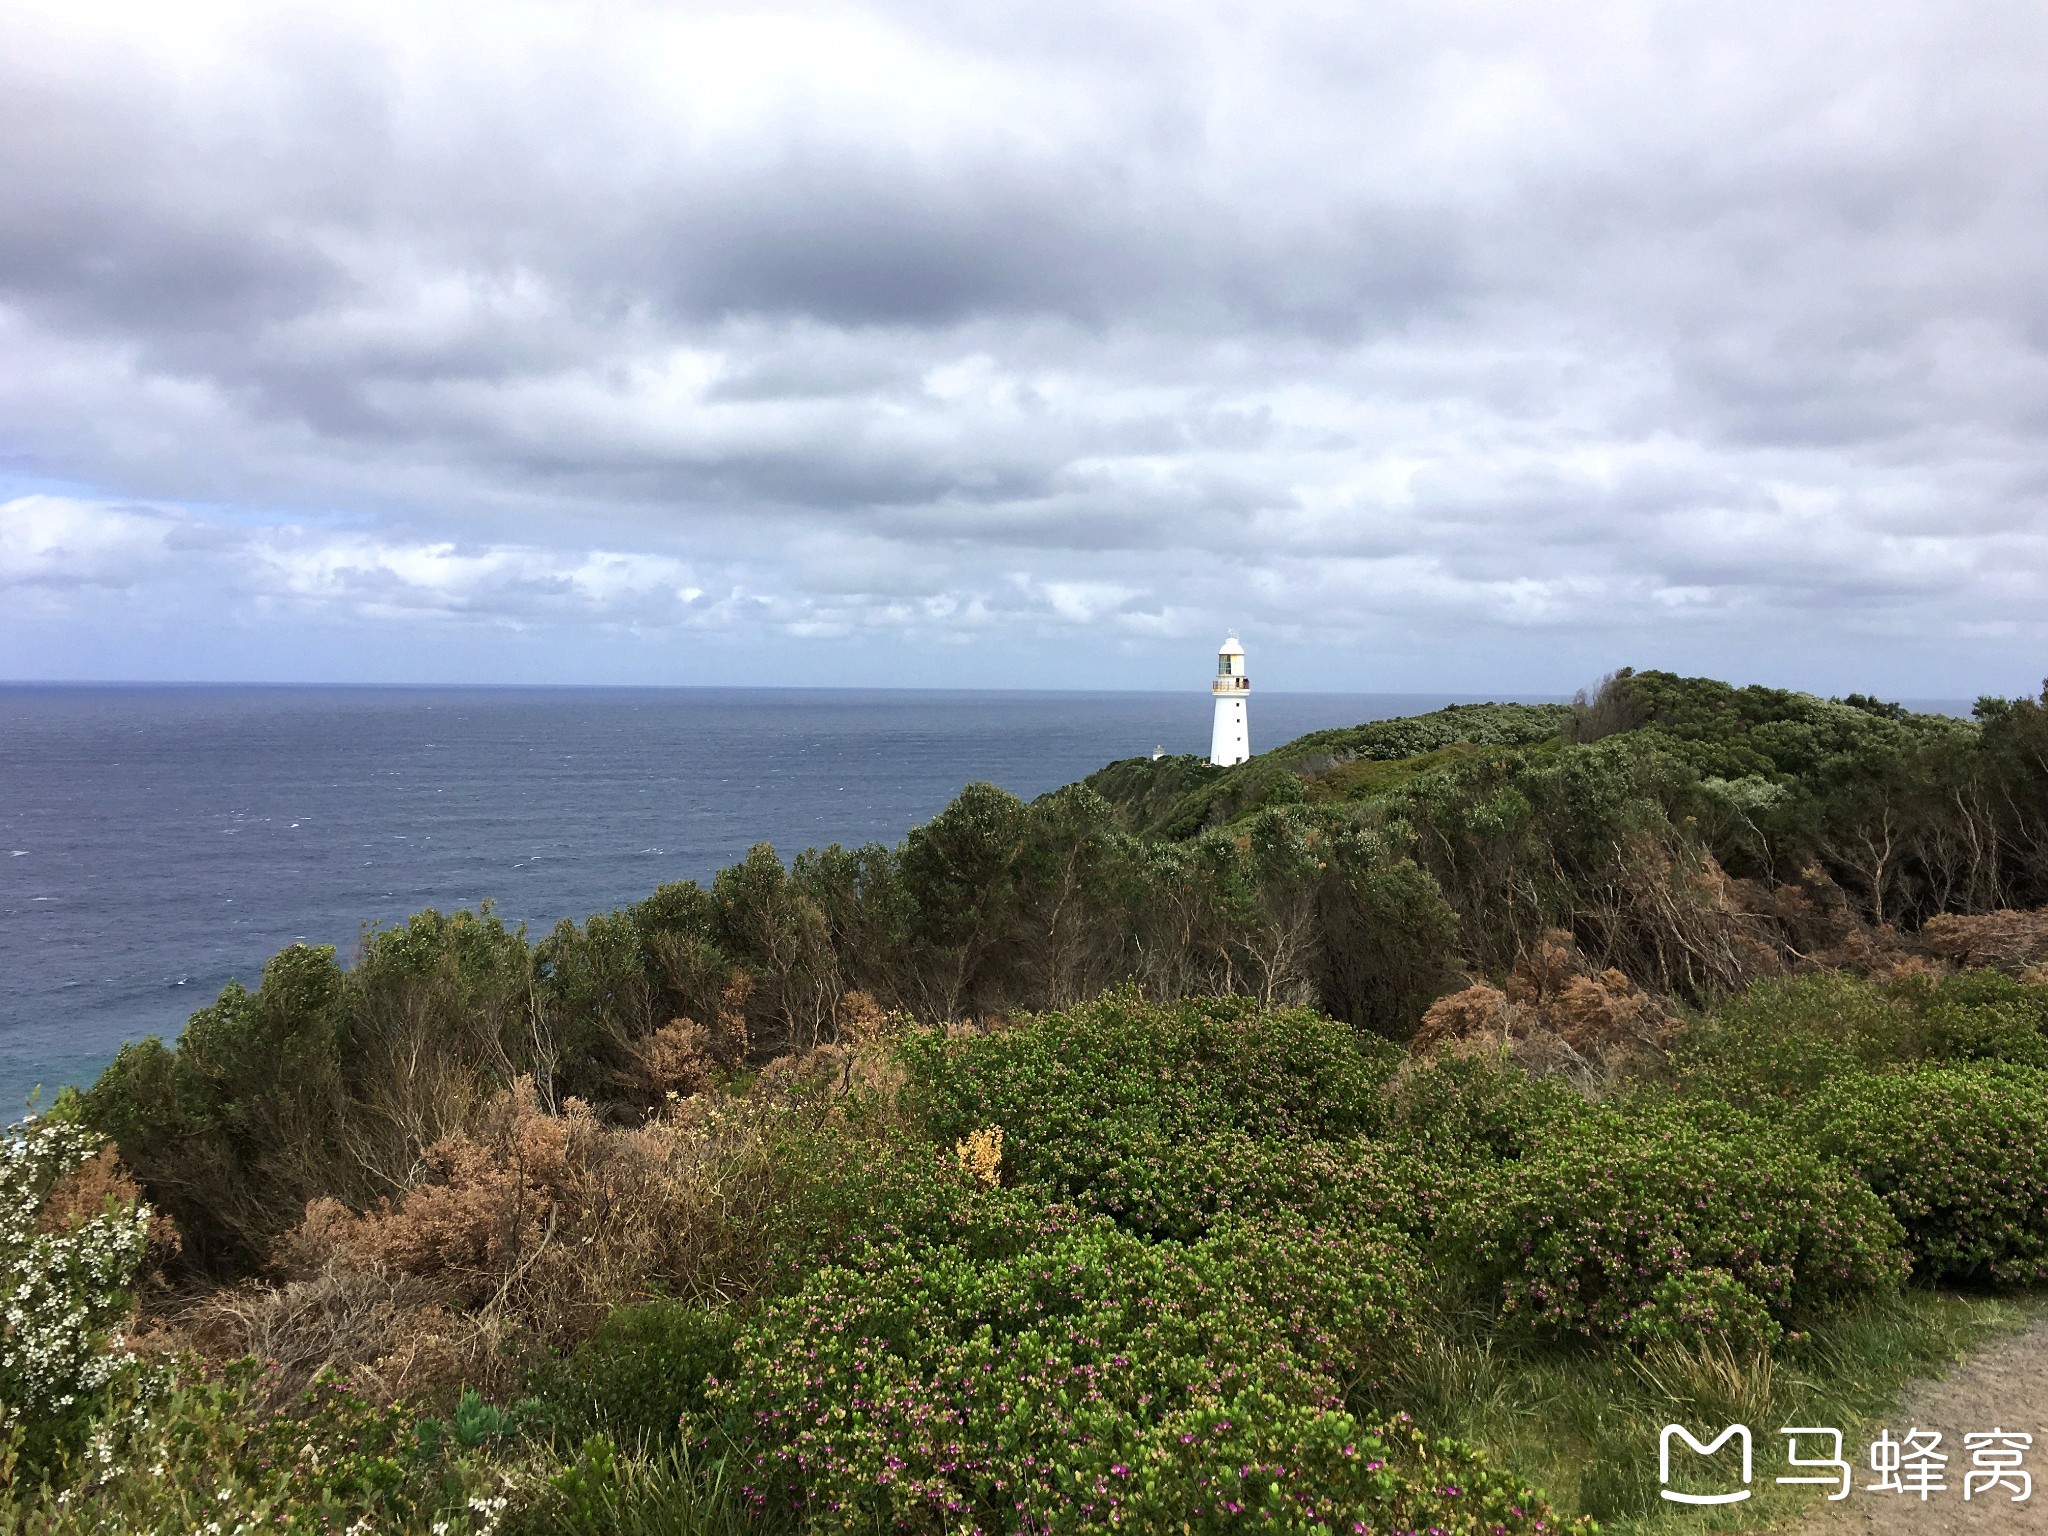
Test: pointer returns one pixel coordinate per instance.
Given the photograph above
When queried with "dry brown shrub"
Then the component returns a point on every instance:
(1590, 1010)
(486, 1201)
(730, 1042)
(524, 1232)
(1813, 913)
(877, 1075)
(2006, 940)
(685, 1057)
(984, 1024)
(521, 1238)
(834, 1076)
(2035, 975)
(860, 1020)
(1542, 972)
(1607, 1011)
(1557, 1015)
(859, 1066)
(100, 1183)
(1667, 914)
(676, 1060)
(436, 1356)
(346, 1318)
(1746, 930)
(802, 1074)
(1882, 954)
(1479, 1012)
(2015, 942)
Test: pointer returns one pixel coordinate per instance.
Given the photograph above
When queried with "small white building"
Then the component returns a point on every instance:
(1231, 741)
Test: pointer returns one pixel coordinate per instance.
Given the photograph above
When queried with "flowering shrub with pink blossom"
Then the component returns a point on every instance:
(1959, 1153)
(1579, 1238)
(1098, 1380)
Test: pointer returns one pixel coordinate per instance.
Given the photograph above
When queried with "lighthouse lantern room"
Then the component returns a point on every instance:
(1232, 739)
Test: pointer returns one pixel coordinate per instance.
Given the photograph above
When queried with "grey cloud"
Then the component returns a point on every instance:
(1056, 315)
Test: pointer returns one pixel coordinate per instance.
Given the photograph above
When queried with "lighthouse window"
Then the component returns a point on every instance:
(1223, 666)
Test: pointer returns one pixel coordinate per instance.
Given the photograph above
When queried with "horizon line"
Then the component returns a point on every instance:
(1198, 690)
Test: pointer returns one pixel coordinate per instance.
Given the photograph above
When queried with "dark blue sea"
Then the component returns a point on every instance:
(156, 842)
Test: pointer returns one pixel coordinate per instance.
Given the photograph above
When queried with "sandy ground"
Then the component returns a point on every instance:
(2002, 1386)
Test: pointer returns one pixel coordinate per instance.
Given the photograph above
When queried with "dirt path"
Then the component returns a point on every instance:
(2002, 1386)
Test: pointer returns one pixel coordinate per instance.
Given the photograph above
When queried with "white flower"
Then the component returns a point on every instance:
(63, 1295)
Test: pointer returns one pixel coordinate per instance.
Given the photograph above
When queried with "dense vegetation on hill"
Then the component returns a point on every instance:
(1358, 1138)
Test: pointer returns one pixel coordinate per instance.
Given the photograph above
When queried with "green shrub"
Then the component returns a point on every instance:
(1960, 1154)
(637, 1377)
(1785, 1037)
(1390, 939)
(473, 1424)
(598, 1491)
(1451, 1116)
(840, 1191)
(1508, 725)
(1098, 1380)
(232, 1131)
(581, 1494)
(1461, 1109)
(1162, 1115)
(1575, 1240)
(1983, 1016)
(206, 1452)
(1704, 1306)
(1179, 1187)
(1201, 1064)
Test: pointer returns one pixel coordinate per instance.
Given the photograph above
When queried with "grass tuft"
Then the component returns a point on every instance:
(1584, 1428)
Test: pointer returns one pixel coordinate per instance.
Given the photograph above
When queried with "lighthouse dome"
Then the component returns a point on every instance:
(1230, 647)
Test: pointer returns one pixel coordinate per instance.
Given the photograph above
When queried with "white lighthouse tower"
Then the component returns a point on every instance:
(1232, 739)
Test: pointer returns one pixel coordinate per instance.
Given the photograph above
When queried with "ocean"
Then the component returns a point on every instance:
(158, 842)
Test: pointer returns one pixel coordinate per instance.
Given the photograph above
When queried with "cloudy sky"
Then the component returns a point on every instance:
(1432, 345)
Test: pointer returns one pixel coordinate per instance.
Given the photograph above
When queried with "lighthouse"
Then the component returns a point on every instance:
(1232, 739)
